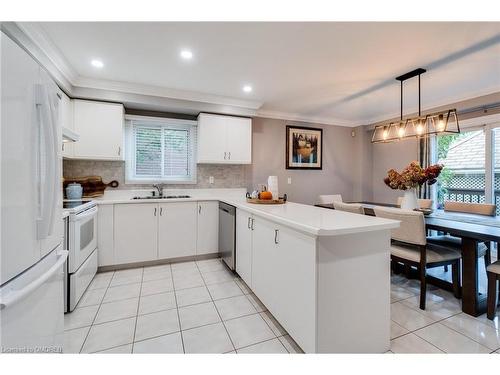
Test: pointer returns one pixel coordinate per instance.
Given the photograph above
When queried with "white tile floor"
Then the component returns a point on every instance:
(190, 307)
(201, 307)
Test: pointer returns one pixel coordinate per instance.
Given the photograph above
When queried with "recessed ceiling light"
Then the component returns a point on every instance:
(247, 88)
(97, 63)
(186, 54)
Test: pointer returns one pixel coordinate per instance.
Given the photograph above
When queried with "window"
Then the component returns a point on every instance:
(160, 150)
(463, 176)
(471, 162)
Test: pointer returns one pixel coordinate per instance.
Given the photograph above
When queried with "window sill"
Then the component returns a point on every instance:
(164, 182)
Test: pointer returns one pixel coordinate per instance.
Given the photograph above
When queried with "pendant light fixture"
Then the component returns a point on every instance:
(442, 122)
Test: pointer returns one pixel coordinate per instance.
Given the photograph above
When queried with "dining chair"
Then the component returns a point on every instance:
(483, 249)
(422, 203)
(329, 199)
(354, 208)
(493, 272)
(409, 247)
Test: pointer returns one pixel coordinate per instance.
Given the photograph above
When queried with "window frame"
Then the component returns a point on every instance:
(160, 122)
(488, 124)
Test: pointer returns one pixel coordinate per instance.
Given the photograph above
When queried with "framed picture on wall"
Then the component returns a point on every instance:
(304, 147)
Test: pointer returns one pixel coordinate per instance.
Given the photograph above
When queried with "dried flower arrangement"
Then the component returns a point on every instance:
(412, 176)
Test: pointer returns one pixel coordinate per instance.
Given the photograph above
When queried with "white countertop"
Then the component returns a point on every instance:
(308, 219)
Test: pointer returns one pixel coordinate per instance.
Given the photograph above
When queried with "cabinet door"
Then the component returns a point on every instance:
(100, 126)
(244, 246)
(211, 138)
(239, 140)
(177, 229)
(284, 278)
(135, 232)
(67, 122)
(207, 241)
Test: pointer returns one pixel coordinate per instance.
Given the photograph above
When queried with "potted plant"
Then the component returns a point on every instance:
(409, 179)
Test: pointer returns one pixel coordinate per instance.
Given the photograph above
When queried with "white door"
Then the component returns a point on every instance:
(244, 246)
(177, 229)
(135, 232)
(212, 138)
(100, 127)
(207, 241)
(20, 142)
(51, 235)
(239, 140)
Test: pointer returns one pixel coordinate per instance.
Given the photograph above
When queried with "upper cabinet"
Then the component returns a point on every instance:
(100, 127)
(224, 139)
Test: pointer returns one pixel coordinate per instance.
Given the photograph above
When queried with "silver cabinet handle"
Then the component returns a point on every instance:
(161, 211)
(63, 146)
(253, 220)
(199, 209)
(229, 155)
(225, 155)
(276, 236)
(248, 224)
(155, 211)
(119, 151)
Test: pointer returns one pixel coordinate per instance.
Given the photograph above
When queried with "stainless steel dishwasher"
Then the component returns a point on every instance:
(227, 233)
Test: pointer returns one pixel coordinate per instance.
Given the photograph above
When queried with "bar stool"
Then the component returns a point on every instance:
(493, 272)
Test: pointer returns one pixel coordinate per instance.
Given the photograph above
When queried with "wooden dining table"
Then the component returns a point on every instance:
(472, 229)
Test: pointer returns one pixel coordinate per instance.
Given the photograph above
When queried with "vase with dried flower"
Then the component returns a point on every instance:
(409, 179)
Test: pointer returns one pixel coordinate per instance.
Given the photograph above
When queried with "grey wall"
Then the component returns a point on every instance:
(345, 165)
(339, 171)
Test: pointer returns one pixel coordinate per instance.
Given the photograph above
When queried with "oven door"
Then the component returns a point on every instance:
(82, 237)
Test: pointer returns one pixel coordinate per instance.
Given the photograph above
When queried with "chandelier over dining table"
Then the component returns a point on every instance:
(441, 122)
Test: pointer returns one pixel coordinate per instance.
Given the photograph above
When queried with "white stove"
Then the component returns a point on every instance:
(81, 241)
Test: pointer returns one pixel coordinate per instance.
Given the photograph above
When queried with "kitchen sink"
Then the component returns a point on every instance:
(163, 197)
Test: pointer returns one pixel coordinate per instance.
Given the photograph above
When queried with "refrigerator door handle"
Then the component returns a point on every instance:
(47, 195)
(10, 299)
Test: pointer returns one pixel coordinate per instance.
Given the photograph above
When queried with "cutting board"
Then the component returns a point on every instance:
(92, 185)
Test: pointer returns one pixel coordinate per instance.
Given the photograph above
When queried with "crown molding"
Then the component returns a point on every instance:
(290, 116)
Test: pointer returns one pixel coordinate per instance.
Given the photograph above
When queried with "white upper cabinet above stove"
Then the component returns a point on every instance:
(100, 127)
(224, 139)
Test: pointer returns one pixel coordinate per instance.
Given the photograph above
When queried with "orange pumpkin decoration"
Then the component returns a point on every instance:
(266, 195)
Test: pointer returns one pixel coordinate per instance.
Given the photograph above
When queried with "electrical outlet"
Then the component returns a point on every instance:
(289, 180)
(211, 180)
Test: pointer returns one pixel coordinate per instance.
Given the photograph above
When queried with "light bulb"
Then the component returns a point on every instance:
(441, 125)
(420, 128)
(401, 131)
(385, 133)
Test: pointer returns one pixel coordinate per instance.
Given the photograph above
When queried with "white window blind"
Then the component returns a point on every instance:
(161, 150)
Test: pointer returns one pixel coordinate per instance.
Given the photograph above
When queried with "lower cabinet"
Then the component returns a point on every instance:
(244, 223)
(177, 229)
(283, 273)
(208, 228)
(105, 235)
(135, 232)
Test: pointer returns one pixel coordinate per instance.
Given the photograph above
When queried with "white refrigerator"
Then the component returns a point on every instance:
(31, 254)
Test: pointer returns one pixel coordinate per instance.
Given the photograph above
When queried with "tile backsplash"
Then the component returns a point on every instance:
(225, 176)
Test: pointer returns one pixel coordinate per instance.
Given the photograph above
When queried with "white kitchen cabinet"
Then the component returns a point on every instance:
(67, 121)
(135, 232)
(244, 246)
(100, 127)
(177, 229)
(207, 239)
(105, 241)
(224, 139)
(283, 275)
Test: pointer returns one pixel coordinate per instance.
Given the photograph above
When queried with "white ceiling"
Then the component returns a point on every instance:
(329, 72)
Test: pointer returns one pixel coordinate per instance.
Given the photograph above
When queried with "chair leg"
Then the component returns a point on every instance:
(455, 275)
(492, 295)
(446, 268)
(487, 255)
(407, 271)
(423, 287)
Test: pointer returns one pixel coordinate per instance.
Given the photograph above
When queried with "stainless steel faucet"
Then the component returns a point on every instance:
(159, 188)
